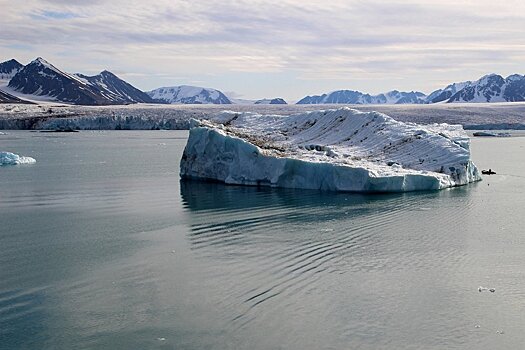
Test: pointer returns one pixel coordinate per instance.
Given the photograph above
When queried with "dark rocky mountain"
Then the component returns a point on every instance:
(41, 78)
(116, 89)
(273, 101)
(9, 68)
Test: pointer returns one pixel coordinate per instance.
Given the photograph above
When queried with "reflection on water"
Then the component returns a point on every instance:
(279, 252)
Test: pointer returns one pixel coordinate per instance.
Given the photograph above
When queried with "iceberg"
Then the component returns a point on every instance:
(337, 150)
(8, 158)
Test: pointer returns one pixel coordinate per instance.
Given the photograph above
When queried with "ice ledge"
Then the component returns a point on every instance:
(337, 150)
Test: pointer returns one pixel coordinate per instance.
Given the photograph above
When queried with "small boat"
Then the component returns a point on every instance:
(488, 172)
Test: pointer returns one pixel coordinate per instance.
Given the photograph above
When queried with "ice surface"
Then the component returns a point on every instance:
(339, 150)
(8, 158)
(484, 116)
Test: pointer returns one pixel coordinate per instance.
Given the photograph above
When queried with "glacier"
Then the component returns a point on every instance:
(337, 150)
(8, 158)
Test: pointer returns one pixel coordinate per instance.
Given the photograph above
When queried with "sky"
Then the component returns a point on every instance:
(263, 49)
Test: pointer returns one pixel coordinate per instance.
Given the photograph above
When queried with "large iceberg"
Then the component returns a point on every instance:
(339, 150)
(8, 158)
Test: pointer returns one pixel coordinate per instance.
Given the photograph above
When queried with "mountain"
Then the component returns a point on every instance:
(514, 88)
(8, 98)
(116, 89)
(446, 93)
(274, 101)
(399, 97)
(185, 94)
(9, 68)
(356, 97)
(41, 78)
(492, 88)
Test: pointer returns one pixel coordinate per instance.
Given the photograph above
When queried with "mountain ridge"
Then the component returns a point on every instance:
(43, 79)
(489, 88)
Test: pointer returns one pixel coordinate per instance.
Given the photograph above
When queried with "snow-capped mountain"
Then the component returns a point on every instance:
(9, 68)
(399, 97)
(273, 101)
(185, 94)
(116, 89)
(445, 94)
(41, 78)
(357, 97)
(514, 88)
(492, 88)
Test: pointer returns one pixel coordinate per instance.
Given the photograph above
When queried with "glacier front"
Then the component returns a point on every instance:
(338, 150)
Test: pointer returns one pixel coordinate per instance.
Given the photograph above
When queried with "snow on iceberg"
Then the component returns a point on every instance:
(339, 150)
(8, 158)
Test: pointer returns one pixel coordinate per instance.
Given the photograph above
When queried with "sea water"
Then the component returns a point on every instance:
(101, 246)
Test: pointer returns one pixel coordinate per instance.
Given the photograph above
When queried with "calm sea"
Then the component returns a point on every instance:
(102, 247)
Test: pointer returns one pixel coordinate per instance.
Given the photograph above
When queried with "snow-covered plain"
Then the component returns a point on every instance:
(8, 158)
(338, 150)
(485, 116)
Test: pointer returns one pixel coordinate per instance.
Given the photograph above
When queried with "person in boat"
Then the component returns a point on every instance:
(488, 172)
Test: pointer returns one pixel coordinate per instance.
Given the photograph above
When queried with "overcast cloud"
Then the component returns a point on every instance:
(283, 48)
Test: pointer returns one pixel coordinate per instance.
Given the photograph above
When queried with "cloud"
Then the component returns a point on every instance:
(367, 44)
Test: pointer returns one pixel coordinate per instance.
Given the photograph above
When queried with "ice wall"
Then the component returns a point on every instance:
(339, 150)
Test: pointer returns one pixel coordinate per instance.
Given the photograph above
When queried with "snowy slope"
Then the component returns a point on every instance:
(115, 89)
(186, 94)
(356, 97)
(8, 98)
(339, 150)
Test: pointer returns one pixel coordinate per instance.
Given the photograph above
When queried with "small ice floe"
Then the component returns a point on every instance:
(500, 332)
(3, 133)
(161, 339)
(491, 134)
(477, 326)
(8, 158)
(483, 289)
